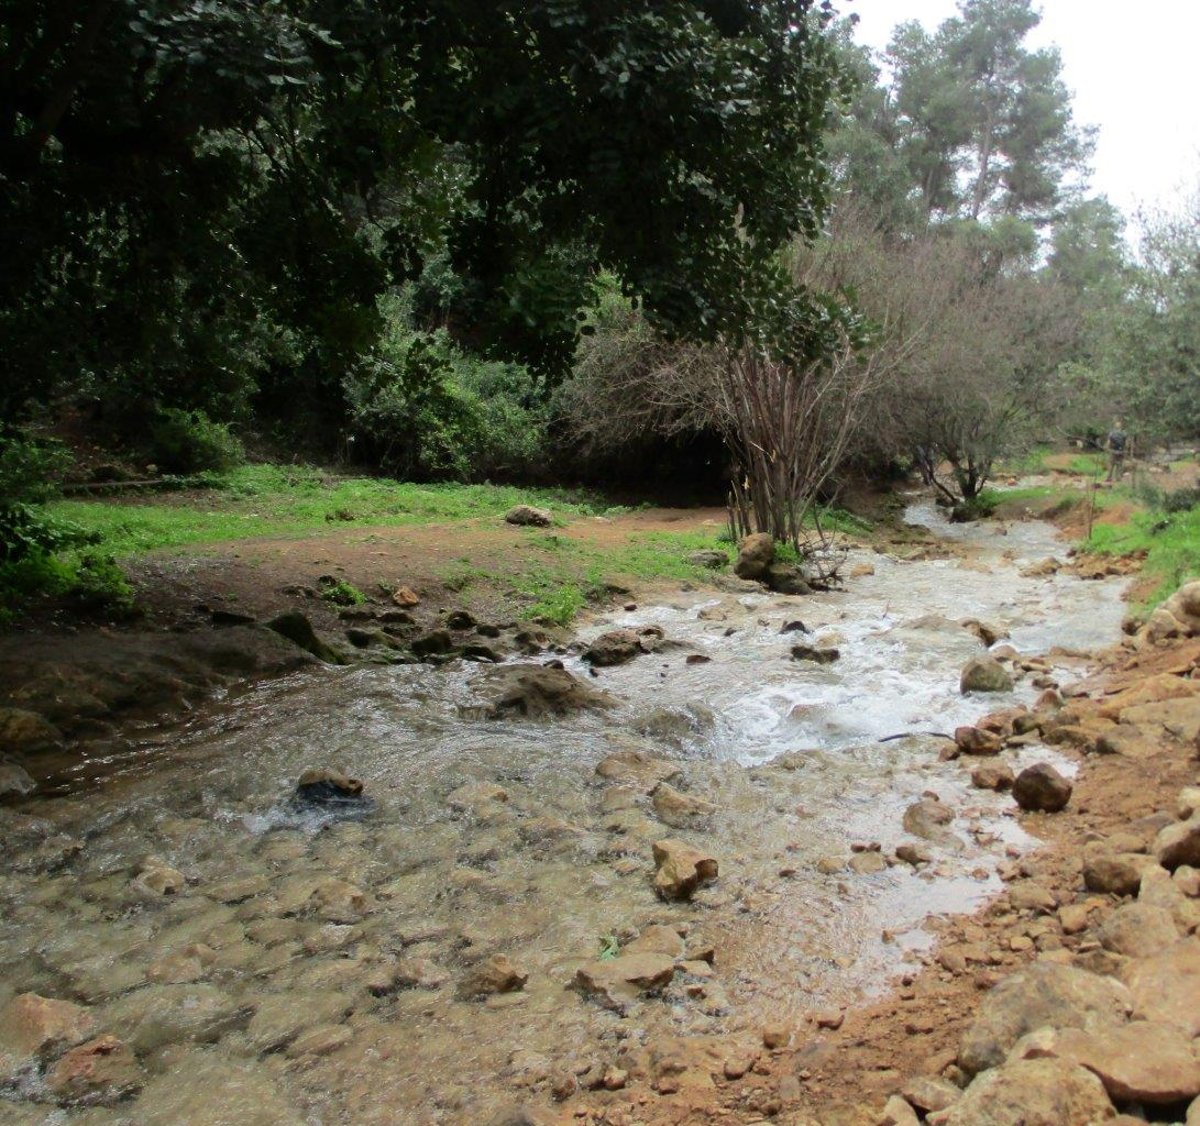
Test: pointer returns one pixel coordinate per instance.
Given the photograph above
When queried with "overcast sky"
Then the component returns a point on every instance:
(1132, 70)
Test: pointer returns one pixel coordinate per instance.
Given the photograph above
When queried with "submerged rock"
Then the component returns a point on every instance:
(497, 974)
(617, 647)
(33, 1026)
(15, 781)
(677, 809)
(680, 868)
(320, 785)
(618, 982)
(820, 656)
(637, 769)
(537, 691)
(99, 1073)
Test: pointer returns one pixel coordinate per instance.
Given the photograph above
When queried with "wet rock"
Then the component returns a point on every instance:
(977, 741)
(927, 818)
(436, 643)
(206, 1089)
(155, 877)
(420, 973)
(1166, 987)
(536, 691)
(785, 579)
(1042, 995)
(526, 516)
(679, 810)
(680, 869)
(296, 627)
(321, 1041)
(867, 863)
(1033, 1093)
(618, 982)
(913, 854)
(817, 655)
(497, 974)
(339, 901)
(657, 939)
(1179, 844)
(1040, 788)
(320, 785)
(713, 560)
(1041, 569)
(404, 597)
(756, 553)
(1140, 1062)
(24, 732)
(617, 647)
(15, 781)
(996, 776)
(471, 796)
(101, 1072)
(1138, 930)
(32, 1026)
(1117, 873)
(988, 634)
(158, 1015)
(282, 1017)
(984, 674)
(830, 865)
(678, 725)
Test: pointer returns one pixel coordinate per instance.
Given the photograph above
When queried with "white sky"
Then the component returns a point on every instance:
(1133, 71)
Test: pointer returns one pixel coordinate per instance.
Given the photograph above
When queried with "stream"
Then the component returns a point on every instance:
(311, 970)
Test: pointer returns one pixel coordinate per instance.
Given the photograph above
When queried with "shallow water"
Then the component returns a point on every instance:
(789, 752)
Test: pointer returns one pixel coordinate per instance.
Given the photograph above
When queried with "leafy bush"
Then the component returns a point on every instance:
(423, 409)
(187, 442)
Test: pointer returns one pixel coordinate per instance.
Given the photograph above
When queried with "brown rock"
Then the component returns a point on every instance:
(1179, 844)
(928, 1093)
(1043, 994)
(31, 1025)
(99, 1073)
(1114, 873)
(1166, 987)
(996, 776)
(525, 515)
(617, 647)
(984, 674)
(679, 810)
(680, 869)
(636, 768)
(405, 596)
(1041, 1092)
(618, 982)
(1139, 1062)
(756, 553)
(897, 1112)
(1041, 788)
(657, 939)
(977, 741)
(497, 974)
(776, 1036)
(1138, 930)
(24, 732)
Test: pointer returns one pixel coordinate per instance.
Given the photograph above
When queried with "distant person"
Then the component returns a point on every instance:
(1115, 443)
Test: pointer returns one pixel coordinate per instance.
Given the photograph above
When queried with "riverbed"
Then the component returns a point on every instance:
(313, 967)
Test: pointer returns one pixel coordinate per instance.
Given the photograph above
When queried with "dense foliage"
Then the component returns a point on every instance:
(201, 201)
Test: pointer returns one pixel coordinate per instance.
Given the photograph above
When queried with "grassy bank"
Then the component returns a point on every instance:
(1169, 540)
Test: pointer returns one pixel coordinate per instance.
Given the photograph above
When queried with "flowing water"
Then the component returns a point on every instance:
(788, 751)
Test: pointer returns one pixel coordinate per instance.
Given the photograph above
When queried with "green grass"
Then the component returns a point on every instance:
(1171, 542)
(1026, 464)
(265, 500)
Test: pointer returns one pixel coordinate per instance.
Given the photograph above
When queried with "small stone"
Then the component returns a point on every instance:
(977, 741)
(496, 974)
(776, 1036)
(996, 776)
(984, 674)
(681, 868)
(830, 1018)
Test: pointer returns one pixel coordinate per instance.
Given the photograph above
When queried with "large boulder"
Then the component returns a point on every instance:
(1138, 930)
(1040, 788)
(1115, 873)
(680, 868)
(537, 691)
(526, 516)
(756, 553)
(1140, 1062)
(1166, 987)
(1043, 995)
(26, 732)
(984, 674)
(619, 646)
(1043, 1092)
(679, 810)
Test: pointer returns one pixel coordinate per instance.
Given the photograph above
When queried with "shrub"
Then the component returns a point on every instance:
(184, 442)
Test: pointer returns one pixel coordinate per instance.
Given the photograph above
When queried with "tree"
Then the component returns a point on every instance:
(201, 200)
(986, 123)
